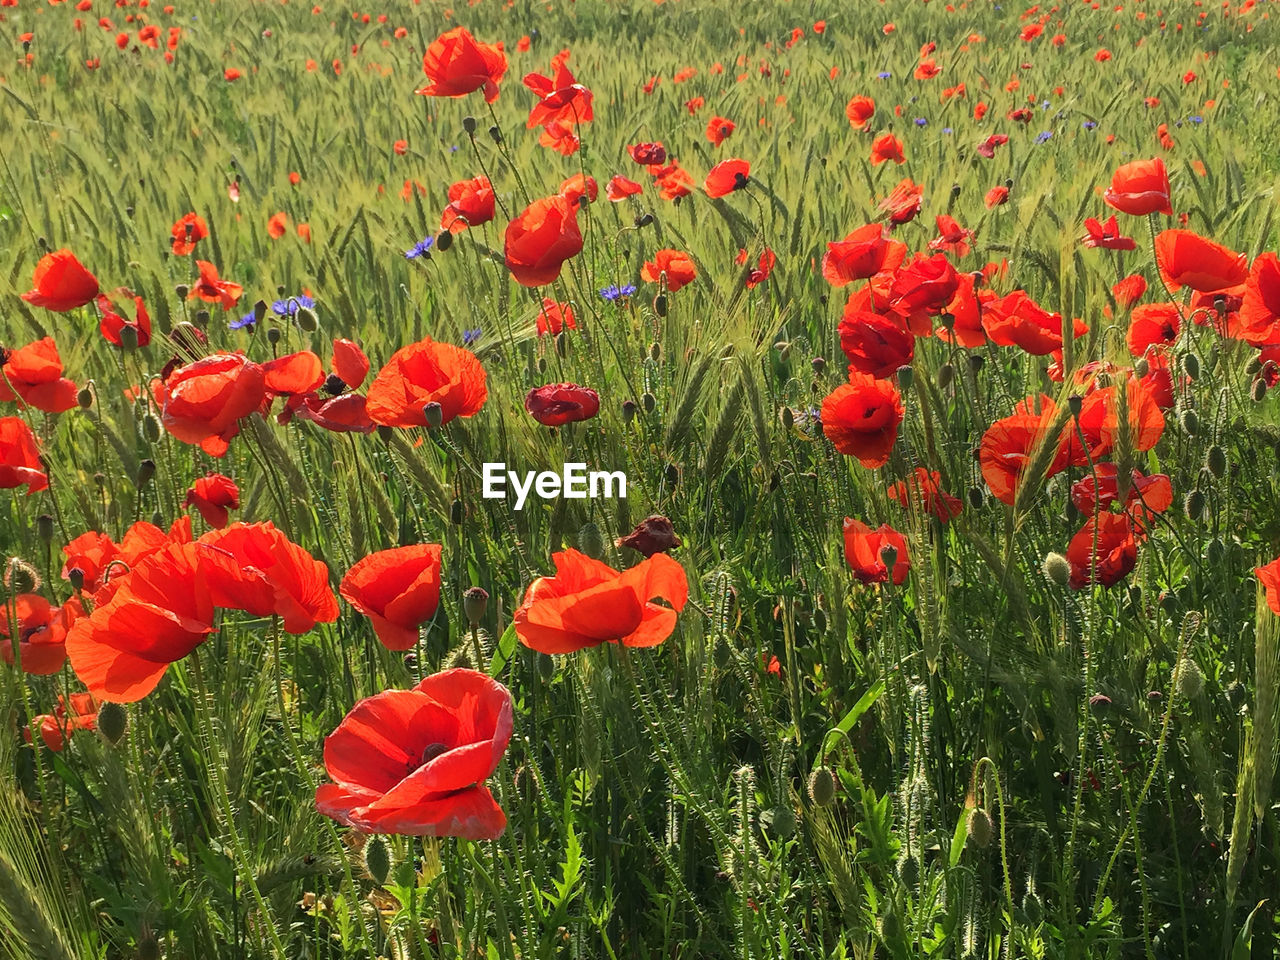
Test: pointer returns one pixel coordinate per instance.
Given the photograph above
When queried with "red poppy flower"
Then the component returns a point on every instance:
(1187, 259)
(113, 321)
(1152, 324)
(471, 203)
(1015, 320)
(875, 344)
(648, 154)
(20, 457)
(422, 373)
(952, 237)
(719, 129)
(91, 554)
(1259, 311)
(674, 184)
(675, 264)
(903, 202)
(187, 232)
(55, 728)
(231, 74)
(1099, 419)
(726, 177)
(397, 589)
(859, 110)
(1146, 494)
(269, 574)
(987, 148)
(863, 253)
(651, 535)
(588, 603)
(209, 287)
(541, 239)
(577, 187)
(277, 225)
(213, 495)
(1269, 577)
(562, 101)
(350, 363)
(559, 403)
(1129, 290)
(924, 489)
(60, 283)
(345, 414)
(1009, 445)
(293, 373)
(965, 325)
(203, 402)
(887, 147)
(413, 762)
(456, 64)
(33, 376)
(862, 417)
(923, 287)
(866, 553)
(763, 268)
(1139, 188)
(619, 188)
(554, 317)
(42, 632)
(996, 196)
(1106, 236)
(1108, 560)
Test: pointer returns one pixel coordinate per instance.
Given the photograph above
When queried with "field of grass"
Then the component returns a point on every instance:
(981, 725)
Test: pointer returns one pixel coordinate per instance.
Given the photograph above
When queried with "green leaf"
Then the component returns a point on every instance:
(507, 644)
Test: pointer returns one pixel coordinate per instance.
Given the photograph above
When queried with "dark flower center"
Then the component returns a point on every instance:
(429, 753)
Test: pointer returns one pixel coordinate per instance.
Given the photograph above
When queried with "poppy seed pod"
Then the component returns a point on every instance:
(146, 470)
(85, 398)
(1216, 461)
(128, 338)
(628, 410)
(44, 527)
(377, 860)
(469, 124)
(113, 721)
(889, 557)
(1191, 366)
(644, 220)
(444, 240)
(201, 319)
(474, 602)
(1141, 367)
(433, 414)
(259, 311)
(75, 576)
(495, 133)
(182, 291)
(273, 336)
(975, 362)
(906, 376)
(819, 365)
(1076, 403)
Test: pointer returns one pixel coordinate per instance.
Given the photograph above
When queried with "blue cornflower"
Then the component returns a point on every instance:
(420, 249)
(1045, 105)
(921, 122)
(248, 320)
(1044, 136)
(287, 308)
(1088, 124)
(1196, 119)
(470, 336)
(884, 74)
(947, 130)
(616, 293)
(454, 148)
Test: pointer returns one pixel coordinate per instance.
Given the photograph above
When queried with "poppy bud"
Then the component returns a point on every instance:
(1216, 552)
(495, 134)
(649, 401)
(946, 373)
(377, 860)
(671, 475)
(43, 244)
(780, 822)
(128, 211)
(455, 512)
(181, 291)
(112, 722)
(1253, 367)
(628, 410)
(21, 577)
(44, 527)
(1190, 679)
(1008, 183)
(1216, 461)
(542, 365)
(721, 654)
(385, 434)
(279, 289)
(75, 576)
(655, 351)
(1193, 504)
(306, 319)
(525, 783)
(906, 376)
(1100, 703)
(148, 946)
(590, 541)
(433, 414)
(819, 365)
(1140, 367)
(1190, 422)
(469, 124)
(146, 470)
(1258, 390)
(150, 428)
(128, 338)
(644, 219)
(474, 602)
(547, 668)
(976, 361)
(976, 498)
(980, 827)
(822, 787)
(787, 417)
(1076, 403)
(1191, 365)
(660, 304)
(273, 336)
(1056, 569)
(562, 344)
(201, 319)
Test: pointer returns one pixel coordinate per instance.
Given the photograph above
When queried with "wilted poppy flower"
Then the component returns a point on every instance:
(863, 253)
(648, 154)
(862, 417)
(55, 728)
(1152, 324)
(211, 288)
(952, 237)
(213, 495)
(413, 762)
(397, 589)
(269, 574)
(1187, 259)
(1106, 236)
(471, 203)
(559, 403)
(350, 363)
(33, 376)
(1009, 444)
(726, 177)
(60, 283)
(867, 552)
(422, 373)
(651, 535)
(719, 130)
(187, 232)
(1139, 188)
(456, 64)
(345, 414)
(875, 344)
(760, 272)
(203, 402)
(859, 110)
(987, 148)
(887, 147)
(1115, 555)
(114, 321)
(20, 457)
(924, 488)
(541, 239)
(554, 317)
(675, 264)
(619, 188)
(42, 632)
(588, 603)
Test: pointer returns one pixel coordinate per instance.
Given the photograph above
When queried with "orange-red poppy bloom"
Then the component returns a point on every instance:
(32, 375)
(20, 457)
(213, 495)
(563, 102)
(1187, 259)
(868, 551)
(1106, 236)
(863, 253)
(541, 239)
(414, 762)
(887, 147)
(60, 283)
(648, 154)
(924, 488)
(1146, 495)
(726, 177)
(212, 289)
(42, 632)
(397, 589)
(554, 317)
(675, 264)
(588, 603)
(1259, 312)
(859, 110)
(203, 402)
(952, 238)
(293, 373)
(903, 202)
(277, 225)
(456, 64)
(350, 363)
(556, 404)
(719, 129)
(55, 728)
(1139, 188)
(1010, 443)
(862, 417)
(113, 321)
(619, 188)
(1103, 551)
(423, 373)
(577, 187)
(1015, 320)
(187, 232)
(875, 344)
(471, 203)
(1129, 290)
(1153, 324)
